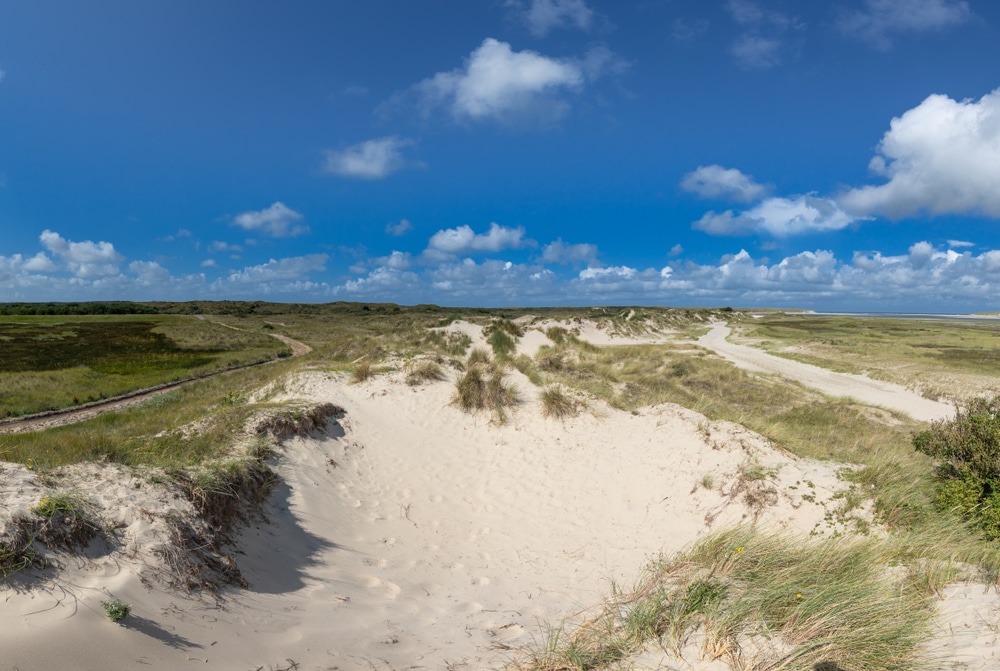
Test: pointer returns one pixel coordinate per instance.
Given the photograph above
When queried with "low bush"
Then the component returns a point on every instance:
(968, 471)
(116, 610)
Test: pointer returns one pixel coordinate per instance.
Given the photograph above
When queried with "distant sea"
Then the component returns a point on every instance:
(904, 315)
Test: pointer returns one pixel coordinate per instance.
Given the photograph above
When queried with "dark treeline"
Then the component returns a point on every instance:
(236, 308)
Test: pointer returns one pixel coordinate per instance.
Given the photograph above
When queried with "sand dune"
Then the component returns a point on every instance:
(413, 536)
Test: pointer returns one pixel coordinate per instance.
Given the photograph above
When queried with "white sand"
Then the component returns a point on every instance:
(415, 536)
(858, 387)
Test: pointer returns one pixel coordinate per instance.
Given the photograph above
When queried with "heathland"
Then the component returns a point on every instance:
(565, 488)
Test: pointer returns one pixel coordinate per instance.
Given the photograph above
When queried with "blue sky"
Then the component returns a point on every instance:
(827, 155)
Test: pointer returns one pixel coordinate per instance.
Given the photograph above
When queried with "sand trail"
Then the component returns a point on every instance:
(859, 387)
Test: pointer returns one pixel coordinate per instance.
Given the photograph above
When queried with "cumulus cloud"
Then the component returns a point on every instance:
(613, 272)
(881, 20)
(149, 273)
(84, 259)
(372, 159)
(544, 15)
(278, 221)
(463, 240)
(560, 252)
(941, 157)
(714, 181)
(291, 268)
(400, 228)
(778, 217)
(500, 84)
(960, 243)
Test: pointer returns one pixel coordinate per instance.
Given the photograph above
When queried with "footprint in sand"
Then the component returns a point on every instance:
(390, 590)
(380, 563)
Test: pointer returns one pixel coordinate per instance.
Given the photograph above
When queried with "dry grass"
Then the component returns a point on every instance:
(558, 404)
(769, 602)
(424, 371)
(482, 388)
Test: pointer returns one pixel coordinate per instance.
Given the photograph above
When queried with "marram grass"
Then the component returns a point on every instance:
(768, 602)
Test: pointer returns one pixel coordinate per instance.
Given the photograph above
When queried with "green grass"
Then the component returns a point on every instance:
(181, 428)
(482, 388)
(930, 355)
(56, 362)
(772, 601)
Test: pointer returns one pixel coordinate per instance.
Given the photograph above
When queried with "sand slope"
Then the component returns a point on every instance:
(416, 536)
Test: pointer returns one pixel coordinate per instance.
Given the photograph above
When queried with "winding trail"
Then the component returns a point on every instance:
(45, 420)
(858, 387)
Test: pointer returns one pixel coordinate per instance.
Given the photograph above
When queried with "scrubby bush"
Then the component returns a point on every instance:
(968, 452)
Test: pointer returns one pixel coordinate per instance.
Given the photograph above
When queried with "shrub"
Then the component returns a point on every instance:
(116, 610)
(968, 472)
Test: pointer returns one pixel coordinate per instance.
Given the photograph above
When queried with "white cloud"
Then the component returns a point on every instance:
(220, 246)
(209, 263)
(560, 252)
(714, 181)
(39, 263)
(149, 273)
(278, 221)
(463, 240)
(960, 243)
(396, 260)
(401, 228)
(941, 157)
(882, 19)
(757, 52)
(84, 259)
(779, 217)
(544, 15)
(613, 272)
(372, 159)
(766, 34)
(498, 83)
(280, 270)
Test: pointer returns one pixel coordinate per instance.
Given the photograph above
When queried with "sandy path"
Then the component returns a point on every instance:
(859, 387)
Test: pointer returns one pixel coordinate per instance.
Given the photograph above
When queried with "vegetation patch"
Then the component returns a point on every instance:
(424, 371)
(64, 521)
(558, 404)
(116, 610)
(765, 601)
(967, 449)
(483, 388)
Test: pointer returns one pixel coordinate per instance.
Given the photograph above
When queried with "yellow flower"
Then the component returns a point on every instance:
(739, 549)
(798, 595)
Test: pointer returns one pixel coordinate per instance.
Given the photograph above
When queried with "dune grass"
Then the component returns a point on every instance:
(483, 388)
(765, 601)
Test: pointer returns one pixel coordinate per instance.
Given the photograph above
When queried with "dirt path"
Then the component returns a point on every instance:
(47, 420)
(858, 387)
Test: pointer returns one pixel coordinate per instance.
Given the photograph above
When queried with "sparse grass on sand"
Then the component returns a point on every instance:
(558, 404)
(765, 601)
(483, 388)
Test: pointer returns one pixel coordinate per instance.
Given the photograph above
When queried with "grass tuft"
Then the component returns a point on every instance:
(424, 371)
(558, 404)
(483, 388)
